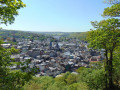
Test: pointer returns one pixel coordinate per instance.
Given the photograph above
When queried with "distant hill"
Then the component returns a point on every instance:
(4, 34)
(39, 35)
(53, 33)
(79, 35)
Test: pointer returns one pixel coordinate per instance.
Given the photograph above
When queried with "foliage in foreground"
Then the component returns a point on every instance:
(107, 36)
(59, 83)
(92, 78)
(87, 78)
(9, 9)
(11, 80)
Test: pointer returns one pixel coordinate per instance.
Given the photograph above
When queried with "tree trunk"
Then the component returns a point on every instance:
(110, 71)
(106, 69)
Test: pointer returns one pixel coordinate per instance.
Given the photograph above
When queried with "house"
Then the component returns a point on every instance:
(95, 59)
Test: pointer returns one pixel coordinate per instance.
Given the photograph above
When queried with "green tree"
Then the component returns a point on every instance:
(72, 78)
(40, 83)
(107, 37)
(116, 64)
(92, 77)
(9, 9)
(10, 80)
(112, 1)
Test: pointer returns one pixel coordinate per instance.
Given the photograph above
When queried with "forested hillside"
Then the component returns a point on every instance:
(7, 34)
(79, 35)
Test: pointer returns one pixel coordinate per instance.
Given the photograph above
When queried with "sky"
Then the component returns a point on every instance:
(58, 15)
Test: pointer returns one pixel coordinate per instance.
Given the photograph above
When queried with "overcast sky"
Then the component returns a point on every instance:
(58, 15)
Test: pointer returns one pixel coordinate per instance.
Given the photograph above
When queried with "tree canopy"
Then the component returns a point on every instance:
(10, 80)
(9, 9)
(113, 11)
(107, 36)
(112, 1)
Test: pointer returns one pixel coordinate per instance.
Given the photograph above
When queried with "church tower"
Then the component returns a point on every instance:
(50, 46)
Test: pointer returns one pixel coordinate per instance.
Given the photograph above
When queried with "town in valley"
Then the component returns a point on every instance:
(53, 55)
